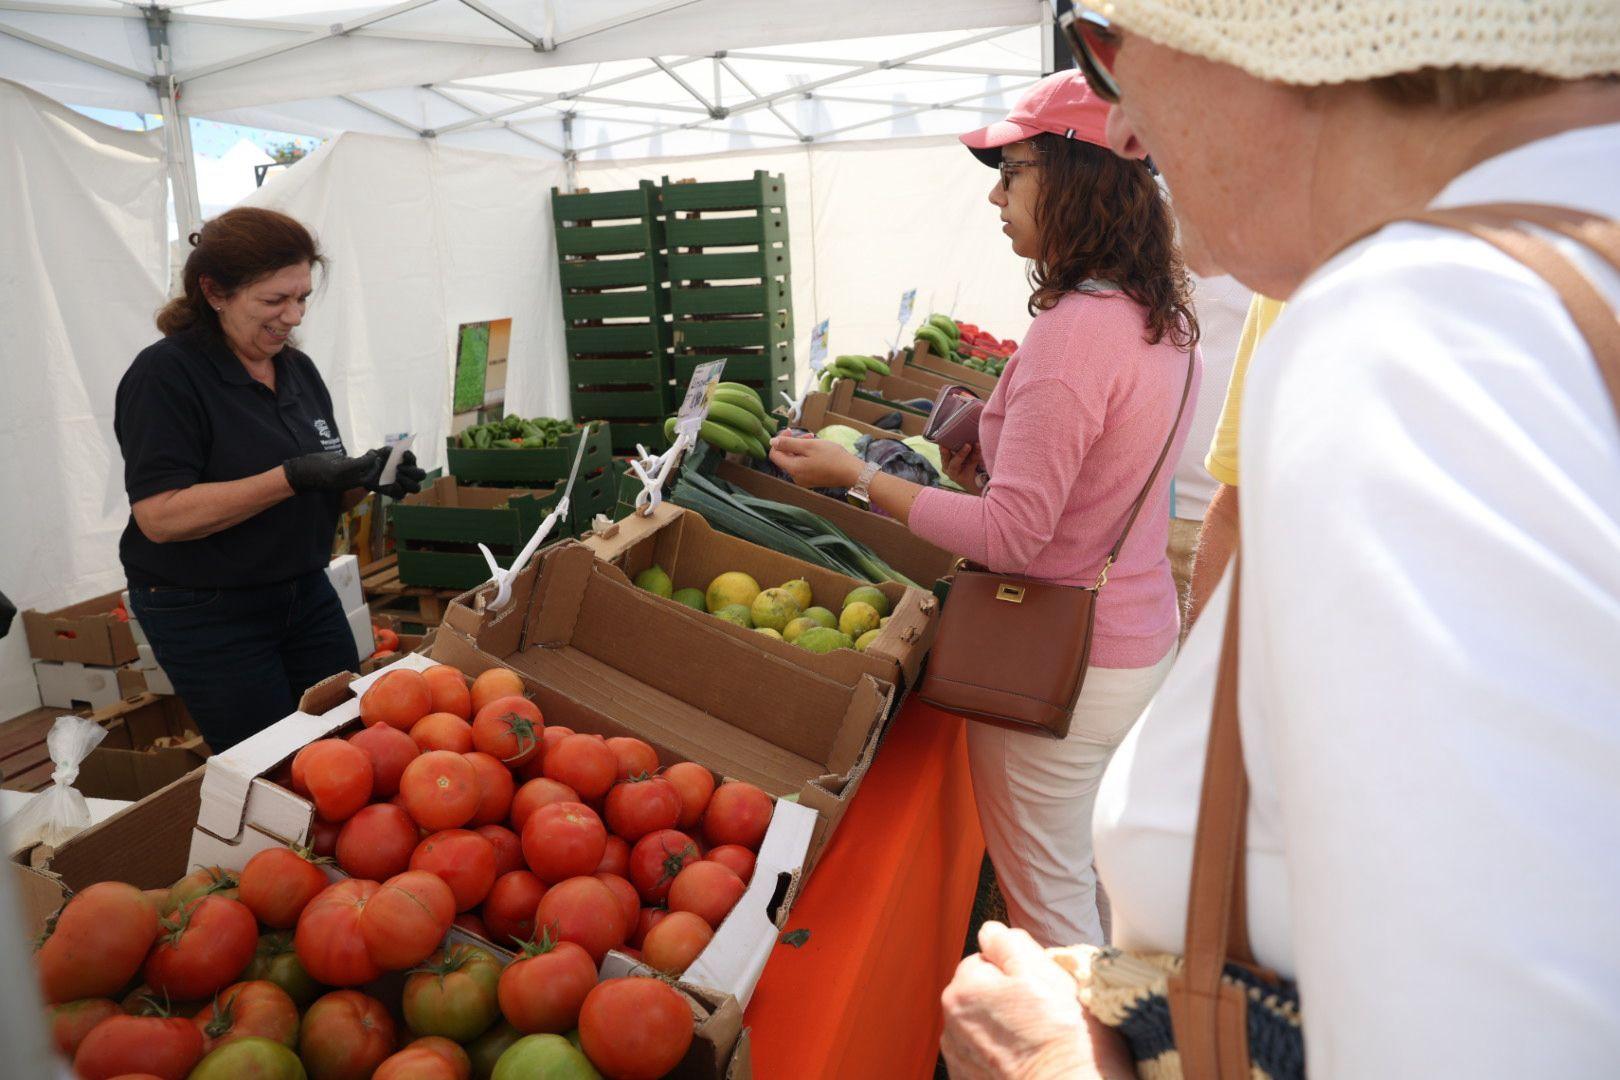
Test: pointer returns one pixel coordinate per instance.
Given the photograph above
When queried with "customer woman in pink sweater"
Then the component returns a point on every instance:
(1068, 439)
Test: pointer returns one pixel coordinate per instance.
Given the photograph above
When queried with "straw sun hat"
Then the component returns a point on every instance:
(1309, 42)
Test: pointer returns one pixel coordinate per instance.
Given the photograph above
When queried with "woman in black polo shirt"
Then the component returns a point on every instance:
(236, 476)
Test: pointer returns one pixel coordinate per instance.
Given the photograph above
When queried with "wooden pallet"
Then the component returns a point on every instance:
(386, 594)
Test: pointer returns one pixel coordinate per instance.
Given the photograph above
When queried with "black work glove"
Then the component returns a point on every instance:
(334, 472)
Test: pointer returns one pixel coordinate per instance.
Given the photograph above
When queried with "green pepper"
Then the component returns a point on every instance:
(534, 443)
(465, 439)
(484, 439)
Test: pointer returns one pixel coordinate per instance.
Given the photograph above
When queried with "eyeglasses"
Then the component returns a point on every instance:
(1009, 169)
(1095, 44)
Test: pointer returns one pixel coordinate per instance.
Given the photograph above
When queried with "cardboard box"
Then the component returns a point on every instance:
(128, 764)
(72, 685)
(344, 574)
(891, 541)
(84, 633)
(156, 679)
(693, 553)
(817, 413)
(843, 402)
(365, 641)
(921, 357)
(134, 624)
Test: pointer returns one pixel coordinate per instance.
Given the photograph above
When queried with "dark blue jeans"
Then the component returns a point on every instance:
(241, 658)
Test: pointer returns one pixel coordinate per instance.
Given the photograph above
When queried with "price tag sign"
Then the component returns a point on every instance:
(818, 346)
(908, 301)
(695, 406)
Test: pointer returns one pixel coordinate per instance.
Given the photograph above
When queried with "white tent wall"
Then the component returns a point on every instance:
(420, 239)
(867, 221)
(83, 267)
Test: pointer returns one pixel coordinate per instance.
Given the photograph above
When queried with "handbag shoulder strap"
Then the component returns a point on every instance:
(1147, 488)
(1217, 916)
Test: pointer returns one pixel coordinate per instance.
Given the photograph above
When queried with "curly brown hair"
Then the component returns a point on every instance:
(237, 248)
(1103, 216)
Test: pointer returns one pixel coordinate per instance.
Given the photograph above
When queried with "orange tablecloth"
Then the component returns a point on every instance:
(887, 910)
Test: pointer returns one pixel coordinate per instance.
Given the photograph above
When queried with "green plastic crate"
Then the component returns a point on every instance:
(762, 189)
(729, 265)
(635, 303)
(647, 431)
(436, 531)
(751, 367)
(646, 270)
(538, 468)
(616, 402)
(774, 294)
(645, 337)
(761, 227)
(762, 332)
(643, 201)
(601, 371)
(646, 235)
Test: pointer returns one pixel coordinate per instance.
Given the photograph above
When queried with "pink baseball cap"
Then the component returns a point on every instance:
(1060, 104)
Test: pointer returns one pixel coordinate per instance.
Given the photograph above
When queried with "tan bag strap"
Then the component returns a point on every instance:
(1211, 1042)
(1147, 488)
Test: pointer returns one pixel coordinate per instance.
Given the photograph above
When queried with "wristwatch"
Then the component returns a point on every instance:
(860, 495)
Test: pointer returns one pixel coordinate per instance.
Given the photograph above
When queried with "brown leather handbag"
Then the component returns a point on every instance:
(1013, 651)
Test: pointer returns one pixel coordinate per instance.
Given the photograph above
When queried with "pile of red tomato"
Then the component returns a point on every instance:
(454, 805)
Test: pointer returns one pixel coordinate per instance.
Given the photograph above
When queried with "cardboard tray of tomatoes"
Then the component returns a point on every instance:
(392, 779)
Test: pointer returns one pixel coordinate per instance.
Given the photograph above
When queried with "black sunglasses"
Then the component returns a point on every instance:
(1094, 43)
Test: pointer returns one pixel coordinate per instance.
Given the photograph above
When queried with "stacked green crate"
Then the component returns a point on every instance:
(616, 304)
(595, 487)
(731, 290)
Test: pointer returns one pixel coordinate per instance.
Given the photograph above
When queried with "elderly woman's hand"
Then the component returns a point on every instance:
(1011, 1011)
(815, 463)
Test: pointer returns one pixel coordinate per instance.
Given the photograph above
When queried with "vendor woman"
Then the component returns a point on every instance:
(236, 475)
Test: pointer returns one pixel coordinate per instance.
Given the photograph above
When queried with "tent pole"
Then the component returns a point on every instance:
(182, 163)
(570, 155)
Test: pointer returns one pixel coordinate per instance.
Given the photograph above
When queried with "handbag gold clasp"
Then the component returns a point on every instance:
(1013, 594)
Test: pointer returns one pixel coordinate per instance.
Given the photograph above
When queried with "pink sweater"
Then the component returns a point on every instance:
(1069, 437)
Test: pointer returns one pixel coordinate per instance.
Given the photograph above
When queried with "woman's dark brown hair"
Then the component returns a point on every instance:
(235, 249)
(1102, 216)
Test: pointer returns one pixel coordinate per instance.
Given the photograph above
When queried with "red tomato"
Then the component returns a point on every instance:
(509, 909)
(584, 911)
(440, 790)
(739, 813)
(323, 837)
(646, 919)
(472, 924)
(708, 889)
(73, 1020)
(655, 860)
(563, 840)
(675, 942)
(638, 807)
(162, 1046)
(406, 919)
(625, 893)
(508, 848)
(634, 757)
(398, 699)
(453, 994)
(377, 842)
(495, 683)
(431, 1058)
(635, 1029)
(509, 730)
(537, 793)
(328, 941)
(277, 883)
(463, 860)
(345, 1036)
(615, 857)
(738, 859)
(695, 785)
(551, 736)
(442, 731)
(206, 946)
(390, 750)
(99, 941)
(249, 1008)
(203, 881)
(337, 774)
(495, 789)
(449, 691)
(543, 989)
(583, 763)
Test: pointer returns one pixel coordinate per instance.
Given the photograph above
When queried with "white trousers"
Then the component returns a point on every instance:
(1035, 796)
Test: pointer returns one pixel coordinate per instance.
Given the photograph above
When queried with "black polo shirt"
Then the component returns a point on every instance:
(189, 413)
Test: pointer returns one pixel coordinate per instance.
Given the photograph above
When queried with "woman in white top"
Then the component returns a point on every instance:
(1429, 678)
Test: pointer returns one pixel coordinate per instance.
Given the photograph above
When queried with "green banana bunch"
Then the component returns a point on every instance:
(744, 397)
(732, 425)
(876, 364)
(939, 343)
(947, 324)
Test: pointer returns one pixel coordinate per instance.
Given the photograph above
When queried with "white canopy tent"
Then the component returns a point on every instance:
(449, 121)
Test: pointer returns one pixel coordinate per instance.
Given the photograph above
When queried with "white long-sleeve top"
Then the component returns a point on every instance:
(1430, 665)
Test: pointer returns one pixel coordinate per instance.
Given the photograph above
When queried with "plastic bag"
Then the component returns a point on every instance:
(59, 812)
